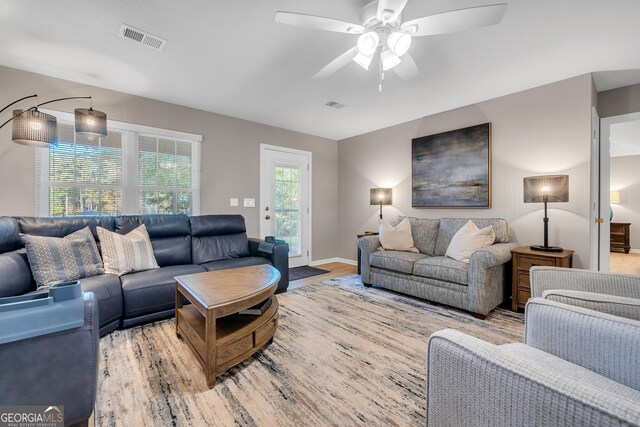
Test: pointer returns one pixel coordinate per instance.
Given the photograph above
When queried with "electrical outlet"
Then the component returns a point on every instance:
(249, 203)
(233, 202)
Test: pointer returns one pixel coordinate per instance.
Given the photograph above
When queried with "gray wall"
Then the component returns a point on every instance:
(623, 100)
(626, 179)
(539, 131)
(230, 152)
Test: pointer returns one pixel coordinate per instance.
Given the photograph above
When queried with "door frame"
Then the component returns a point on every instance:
(602, 175)
(263, 190)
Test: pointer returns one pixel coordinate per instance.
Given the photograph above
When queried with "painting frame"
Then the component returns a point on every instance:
(452, 170)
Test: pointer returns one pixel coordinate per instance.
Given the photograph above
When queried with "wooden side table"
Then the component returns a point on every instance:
(523, 259)
(620, 238)
(366, 233)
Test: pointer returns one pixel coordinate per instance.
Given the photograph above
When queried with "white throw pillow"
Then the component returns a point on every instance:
(397, 238)
(127, 253)
(468, 240)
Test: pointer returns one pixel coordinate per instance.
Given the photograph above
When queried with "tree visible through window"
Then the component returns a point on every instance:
(126, 172)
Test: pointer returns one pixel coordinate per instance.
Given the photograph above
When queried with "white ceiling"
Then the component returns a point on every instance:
(231, 58)
(625, 139)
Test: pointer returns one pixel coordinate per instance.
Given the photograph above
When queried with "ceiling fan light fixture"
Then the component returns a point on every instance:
(363, 60)
(389, 60)
(368, 43)
(399, 42)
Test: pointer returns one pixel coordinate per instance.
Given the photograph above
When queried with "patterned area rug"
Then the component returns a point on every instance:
(343, 355)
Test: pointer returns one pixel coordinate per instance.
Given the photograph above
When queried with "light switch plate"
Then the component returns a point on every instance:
(233, 202)
(249, 203)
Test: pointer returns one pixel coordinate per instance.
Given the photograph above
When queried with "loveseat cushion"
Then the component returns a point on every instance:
(450, 226)
(424, 232)
(15, 275)
(442, 268)
(170, 236)
(108, 292)
(217, 237)
(223, 264)
(152, 291)
(401, 262)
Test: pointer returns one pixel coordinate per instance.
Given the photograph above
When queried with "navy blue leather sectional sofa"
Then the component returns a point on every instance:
(181, 244)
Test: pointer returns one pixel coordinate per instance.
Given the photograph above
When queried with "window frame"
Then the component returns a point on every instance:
(130, 187)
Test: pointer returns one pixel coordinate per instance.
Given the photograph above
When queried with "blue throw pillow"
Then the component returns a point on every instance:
(55, 259)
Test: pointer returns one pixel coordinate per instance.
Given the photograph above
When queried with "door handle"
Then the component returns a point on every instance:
(599, 220)
(267, 217)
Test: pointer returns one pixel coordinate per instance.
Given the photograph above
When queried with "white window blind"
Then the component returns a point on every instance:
(133, 170)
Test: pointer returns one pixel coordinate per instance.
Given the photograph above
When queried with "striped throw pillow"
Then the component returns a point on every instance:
(55, 259)
(127, 253)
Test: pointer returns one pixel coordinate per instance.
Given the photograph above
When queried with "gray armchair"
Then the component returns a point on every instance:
(577, 367)
(55, 369)
(612, 293)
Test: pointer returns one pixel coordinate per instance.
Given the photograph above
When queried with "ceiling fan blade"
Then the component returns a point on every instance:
(317, 22)
(407, 68)
(456, 20)
(390, 10)
(337, 63)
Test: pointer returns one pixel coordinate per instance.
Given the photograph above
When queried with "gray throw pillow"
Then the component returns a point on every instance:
(55, 259)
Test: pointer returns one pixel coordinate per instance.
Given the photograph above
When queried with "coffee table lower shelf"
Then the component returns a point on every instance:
(230, 339)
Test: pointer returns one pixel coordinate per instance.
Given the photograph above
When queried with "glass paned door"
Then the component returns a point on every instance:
(285, 201)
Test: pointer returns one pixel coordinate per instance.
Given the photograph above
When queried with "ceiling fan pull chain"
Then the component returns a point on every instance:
(381, 72)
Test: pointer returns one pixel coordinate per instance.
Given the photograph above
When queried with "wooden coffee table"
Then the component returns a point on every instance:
(219, 337)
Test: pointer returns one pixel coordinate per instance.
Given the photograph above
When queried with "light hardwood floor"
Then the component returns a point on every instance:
(625, 263)
(335, 269)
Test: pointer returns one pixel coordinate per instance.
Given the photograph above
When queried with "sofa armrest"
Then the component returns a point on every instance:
(545, 278)
(472, 382)
(489, 277)
(279, 258)
(610, 304)
(367, 246)
(55, 369)
(606, 344)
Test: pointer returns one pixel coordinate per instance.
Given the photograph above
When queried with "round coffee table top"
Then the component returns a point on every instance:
(231, 290)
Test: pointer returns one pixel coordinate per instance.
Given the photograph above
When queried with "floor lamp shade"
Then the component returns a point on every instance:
(90, 121)
(546, 189)
(33, 128)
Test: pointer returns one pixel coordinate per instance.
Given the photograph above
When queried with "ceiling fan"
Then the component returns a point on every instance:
(382, 32)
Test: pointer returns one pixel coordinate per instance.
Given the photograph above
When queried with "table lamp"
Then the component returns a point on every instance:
(380, 196)
(546, 189)
(614, 198)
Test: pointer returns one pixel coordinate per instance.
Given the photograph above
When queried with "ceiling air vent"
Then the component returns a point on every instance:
(334, 104)
(142, 37)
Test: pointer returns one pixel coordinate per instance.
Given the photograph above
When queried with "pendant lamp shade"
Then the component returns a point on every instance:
(90, 121)
(33, 128)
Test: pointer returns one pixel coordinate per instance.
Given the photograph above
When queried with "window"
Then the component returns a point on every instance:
(133, 170)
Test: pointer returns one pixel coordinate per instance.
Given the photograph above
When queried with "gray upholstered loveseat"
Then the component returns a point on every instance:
(478, 287)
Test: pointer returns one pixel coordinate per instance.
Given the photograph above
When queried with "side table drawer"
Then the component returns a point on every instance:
(523, 279)
(526, 262)
(523, 295)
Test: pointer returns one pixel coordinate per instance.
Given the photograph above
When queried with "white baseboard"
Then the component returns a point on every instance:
(634, 251)
(329, 260)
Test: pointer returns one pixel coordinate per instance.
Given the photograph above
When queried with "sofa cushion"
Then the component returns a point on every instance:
(55, 259)
(217, 237)
(235, 262)
(15, 275)
(108, 291)
(60, 227)
(170, 236)
(127, 253)
(424, 232)
(450, 226)
(401, 262)
(443, 268)
(152, 290)
(398, 237)
(468, 240)
(9, 238)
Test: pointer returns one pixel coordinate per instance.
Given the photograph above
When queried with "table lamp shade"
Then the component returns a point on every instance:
(554, 187)
(614, 197)
(380, 196)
